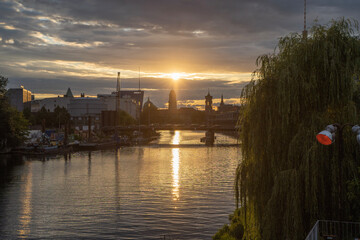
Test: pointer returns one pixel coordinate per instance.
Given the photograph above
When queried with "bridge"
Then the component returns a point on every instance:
(209, 129)
(156, 127)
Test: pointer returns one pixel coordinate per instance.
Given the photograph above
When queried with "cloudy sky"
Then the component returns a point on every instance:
(48, 46)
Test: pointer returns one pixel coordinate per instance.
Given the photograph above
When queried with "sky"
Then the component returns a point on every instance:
(207, 45)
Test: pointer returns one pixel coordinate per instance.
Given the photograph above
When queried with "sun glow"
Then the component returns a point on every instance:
(176, 76)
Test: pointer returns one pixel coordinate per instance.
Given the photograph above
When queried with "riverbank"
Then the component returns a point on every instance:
(153, 141)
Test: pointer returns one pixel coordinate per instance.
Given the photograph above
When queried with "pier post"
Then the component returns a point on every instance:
(209, 137)
(66, 133)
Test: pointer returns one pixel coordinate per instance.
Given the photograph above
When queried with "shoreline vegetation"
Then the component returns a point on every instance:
(13, 125)
(286, 179)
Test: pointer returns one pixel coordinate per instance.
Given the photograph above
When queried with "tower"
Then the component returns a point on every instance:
(222, 101)
(69, 93)
(172, 101)
(208, 102)
(305, 31)
(117, 103)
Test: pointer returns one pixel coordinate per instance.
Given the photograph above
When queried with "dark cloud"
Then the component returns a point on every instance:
(200, 36)
(221, 17)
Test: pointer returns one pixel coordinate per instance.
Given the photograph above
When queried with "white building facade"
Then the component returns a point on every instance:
(50, 103)
(127, 104)
(83, 108)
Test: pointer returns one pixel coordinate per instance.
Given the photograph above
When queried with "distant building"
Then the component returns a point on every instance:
(227, 114)
(227, 118)
(226, 107)
(190, 115)
(127, 104)
(51, 103)
(208, 102)
(83, 108)
(18, 97)
(69, 94)
(151, 114)
(149, 105)
(138, 96)
(172, 101)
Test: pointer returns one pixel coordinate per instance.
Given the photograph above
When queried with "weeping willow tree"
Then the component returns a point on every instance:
(287, 180)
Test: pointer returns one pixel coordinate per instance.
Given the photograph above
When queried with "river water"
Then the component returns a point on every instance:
(145, 192)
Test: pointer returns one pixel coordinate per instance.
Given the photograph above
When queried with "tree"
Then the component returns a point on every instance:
(61, 116)
(124, 118)
(13, 126)
(235, 231)
(3, 83)
(28, 115)
(286, 180)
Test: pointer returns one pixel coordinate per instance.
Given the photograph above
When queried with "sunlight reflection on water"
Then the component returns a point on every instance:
(132, 193)
(175, 161)
(25, 216)
(175, 167)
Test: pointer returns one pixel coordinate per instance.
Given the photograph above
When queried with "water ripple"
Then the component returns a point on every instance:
(136, 193)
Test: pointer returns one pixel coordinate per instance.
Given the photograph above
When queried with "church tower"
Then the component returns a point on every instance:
(222, 101)
(208, 102)
(172, 101)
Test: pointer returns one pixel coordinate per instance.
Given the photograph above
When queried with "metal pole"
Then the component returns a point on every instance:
(149, 114)
(139, 78)
(304, 15)
(119, 92)
(340, 159)
(139, 102)
(305, 31)
(89, 127)
(66, 133)
(340, 177)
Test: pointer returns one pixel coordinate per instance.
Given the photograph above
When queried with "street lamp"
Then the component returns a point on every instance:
(327, 137)
(356, 130)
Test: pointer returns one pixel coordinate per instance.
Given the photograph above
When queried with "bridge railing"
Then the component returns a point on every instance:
(336, 230)
(314, 233)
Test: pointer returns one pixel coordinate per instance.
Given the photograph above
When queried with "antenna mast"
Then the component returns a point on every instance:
(304, 32)
(118, 93)
(139, 101)
(139, 78)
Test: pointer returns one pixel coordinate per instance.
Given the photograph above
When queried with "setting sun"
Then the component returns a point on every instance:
(175, 76)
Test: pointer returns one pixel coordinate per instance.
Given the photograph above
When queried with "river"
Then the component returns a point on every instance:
(144, 192)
